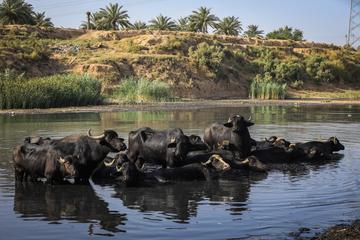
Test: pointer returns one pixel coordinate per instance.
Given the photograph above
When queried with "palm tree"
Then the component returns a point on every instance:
(138, 25)
(183, 24)
(92, 21)
(16, 12)
(112, 16)
(201, 19)
(228, 26)
(253, 31)
(42, 21)
(162, 23)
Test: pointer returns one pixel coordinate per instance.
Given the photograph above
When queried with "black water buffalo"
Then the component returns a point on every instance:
(196, 143)
(110, 167)
(273, 141)
(321, 148)
(166, 147)
(90, 150)
(33, 161)
(208, 170)
(278, 155)
(235, 132)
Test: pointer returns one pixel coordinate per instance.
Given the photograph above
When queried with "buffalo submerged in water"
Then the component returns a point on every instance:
(74, 156)
(226, 146)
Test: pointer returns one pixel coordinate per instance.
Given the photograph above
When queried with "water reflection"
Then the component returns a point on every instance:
(310, 195)
(36, 201)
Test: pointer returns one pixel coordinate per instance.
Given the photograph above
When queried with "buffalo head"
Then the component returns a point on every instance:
(67, 164)
(181, 145)
(217, 162)
(238, 123)
(335, 144)
(110, 139)
(254, 164)
(130, 175)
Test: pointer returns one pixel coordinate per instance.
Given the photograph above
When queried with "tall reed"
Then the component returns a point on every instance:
(53, 91)
(138, 89)
(267, 90)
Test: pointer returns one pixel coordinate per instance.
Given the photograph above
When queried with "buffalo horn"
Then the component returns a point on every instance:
(207, 162)
(95, 137)
(118, 169)
(61, 160)
(249, 118)
(109, 164)
(246, 161)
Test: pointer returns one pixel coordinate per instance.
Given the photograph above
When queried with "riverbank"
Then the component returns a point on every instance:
(192, 65)
(342, 232)
(185, 104)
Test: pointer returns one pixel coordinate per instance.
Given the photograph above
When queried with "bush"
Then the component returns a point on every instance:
(286, 33)
(297, 84)
(27, 49)
(210, 57)
(288, 70)
(52, 91)
(318, 69)
(134, 89)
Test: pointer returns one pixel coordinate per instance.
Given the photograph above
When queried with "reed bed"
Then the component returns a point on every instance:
(16, 91)
(138, 89)
(267, 90)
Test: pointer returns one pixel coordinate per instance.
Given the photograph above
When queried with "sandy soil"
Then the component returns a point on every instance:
(190, 104)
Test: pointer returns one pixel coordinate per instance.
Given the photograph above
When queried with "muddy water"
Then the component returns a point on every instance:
(272, 206)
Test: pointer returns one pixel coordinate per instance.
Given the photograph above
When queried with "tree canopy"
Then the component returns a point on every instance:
(286, 33)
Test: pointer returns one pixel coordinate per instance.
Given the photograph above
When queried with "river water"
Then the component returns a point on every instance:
(273, 206)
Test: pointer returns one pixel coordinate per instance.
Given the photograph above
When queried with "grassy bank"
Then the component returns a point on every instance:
(137, 90)
(53, 91)
(191, 65)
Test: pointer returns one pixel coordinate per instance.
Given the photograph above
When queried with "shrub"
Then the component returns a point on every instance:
(318, 69)
(134, 89)
(289, 70)
(28, 49)
(210, 57)
(286, 33)
(297, 84)
(52, 91)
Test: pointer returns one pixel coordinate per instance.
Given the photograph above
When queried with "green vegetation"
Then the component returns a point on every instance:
(201, 19)
(162, 23)
(253, 31)
(139, 89)
(31, 49)
(286, 33)
(42, 21)
(263, 89)
(112, 17)
(20, 12)
(54, 91)
(228, 26)
(210, 57)
(138, 25)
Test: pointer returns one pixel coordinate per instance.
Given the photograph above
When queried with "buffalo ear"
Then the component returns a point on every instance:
(334, 140)
(228, 125)
(61, 160)
(172, 143)
(249, 124)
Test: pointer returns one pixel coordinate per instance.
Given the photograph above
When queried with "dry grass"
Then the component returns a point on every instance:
(338, 94)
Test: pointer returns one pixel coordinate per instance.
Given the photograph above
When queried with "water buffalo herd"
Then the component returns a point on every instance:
(161, 155)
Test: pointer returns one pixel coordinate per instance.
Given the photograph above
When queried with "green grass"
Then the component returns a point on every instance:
(52, 91)
(135, 90)
(267, 90)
